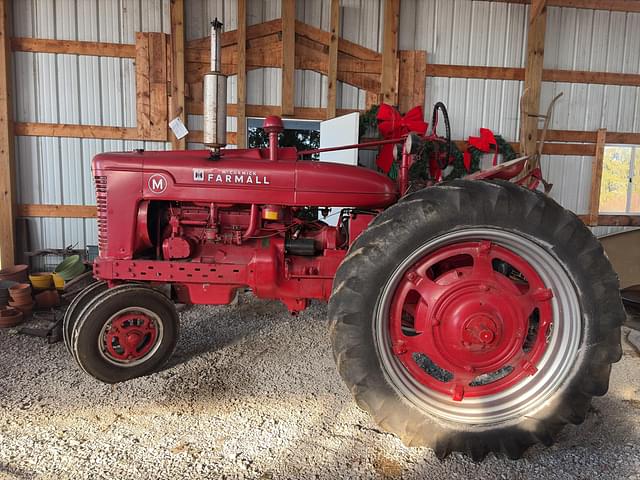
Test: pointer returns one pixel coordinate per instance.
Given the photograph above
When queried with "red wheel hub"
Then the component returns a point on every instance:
(130, 336)
(470, 319)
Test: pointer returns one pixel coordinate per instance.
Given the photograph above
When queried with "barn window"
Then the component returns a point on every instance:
(304, 135)
(620, 190)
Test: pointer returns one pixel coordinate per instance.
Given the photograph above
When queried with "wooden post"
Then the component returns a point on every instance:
(288, 55)
(411, 81)
(389, 76)
(596, 178)
(177, 70)
(333, 59)
(7, 165)
(533, 75)
(241, 136)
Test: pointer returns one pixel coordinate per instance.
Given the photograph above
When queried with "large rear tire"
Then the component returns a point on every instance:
(476, 317)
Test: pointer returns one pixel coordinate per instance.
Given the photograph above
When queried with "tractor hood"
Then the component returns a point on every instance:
(246, 176)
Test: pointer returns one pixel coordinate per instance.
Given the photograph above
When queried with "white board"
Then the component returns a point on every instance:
(334, 133)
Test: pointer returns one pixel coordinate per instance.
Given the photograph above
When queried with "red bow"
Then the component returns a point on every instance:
(393, 125)
(483, 143)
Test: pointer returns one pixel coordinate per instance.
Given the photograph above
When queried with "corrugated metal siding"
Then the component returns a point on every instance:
(464, 32)
(590, 40)
(74, 89)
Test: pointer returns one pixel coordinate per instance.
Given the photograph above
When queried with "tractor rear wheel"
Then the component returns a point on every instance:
(476, 317)
(125, 332)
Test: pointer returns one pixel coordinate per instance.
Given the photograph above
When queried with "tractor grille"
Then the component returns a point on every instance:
(101, 202)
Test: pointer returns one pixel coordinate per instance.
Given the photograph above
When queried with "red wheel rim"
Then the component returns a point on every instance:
(470, 319)
(130, 337)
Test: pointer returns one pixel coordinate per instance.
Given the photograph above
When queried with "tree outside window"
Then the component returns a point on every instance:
(620, 188)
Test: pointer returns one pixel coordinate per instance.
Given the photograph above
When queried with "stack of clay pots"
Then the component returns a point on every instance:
(21, 298)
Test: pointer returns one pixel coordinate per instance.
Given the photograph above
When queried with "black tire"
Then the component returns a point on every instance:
(87, 340)
(452, 209)
(79, 302)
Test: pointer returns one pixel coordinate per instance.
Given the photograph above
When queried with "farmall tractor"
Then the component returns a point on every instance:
(473, 315)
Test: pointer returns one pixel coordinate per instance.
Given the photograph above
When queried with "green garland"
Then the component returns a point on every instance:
(420, 169)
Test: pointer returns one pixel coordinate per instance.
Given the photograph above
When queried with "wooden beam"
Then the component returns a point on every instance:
(241, 136)
(143, 88)
(389, 77)
(288, 55)
(7, 162)
(615, 138)
(57, 211)
(344, 46)
(77, 131)
(230, 37)
(512, 73)
(596, 177)
(158, 86)
(332, 82)
(177, 100)
(411, 79)
(613, 220)
(611, 5)
(98, 49)
(533, 76)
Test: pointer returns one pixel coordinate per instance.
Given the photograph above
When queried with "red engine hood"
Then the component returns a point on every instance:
(248, 176)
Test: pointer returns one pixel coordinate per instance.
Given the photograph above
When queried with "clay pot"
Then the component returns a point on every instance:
(10, 317)
(48, 299)
(17, 273)
(21, 293)
(25, 308)
(20, 301)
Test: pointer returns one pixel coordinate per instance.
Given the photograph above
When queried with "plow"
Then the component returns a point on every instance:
(475, 315)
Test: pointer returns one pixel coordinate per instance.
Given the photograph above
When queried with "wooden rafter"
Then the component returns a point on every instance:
(7, 174)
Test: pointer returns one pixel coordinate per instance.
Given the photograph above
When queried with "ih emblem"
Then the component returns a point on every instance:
(157, 183)
(198, 175)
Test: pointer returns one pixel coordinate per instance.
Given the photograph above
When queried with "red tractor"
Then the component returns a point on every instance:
(473, 315)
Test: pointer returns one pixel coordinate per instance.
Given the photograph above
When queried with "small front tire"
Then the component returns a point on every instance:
(125, 332)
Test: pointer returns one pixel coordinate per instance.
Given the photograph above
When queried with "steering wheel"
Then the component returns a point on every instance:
(441, 160)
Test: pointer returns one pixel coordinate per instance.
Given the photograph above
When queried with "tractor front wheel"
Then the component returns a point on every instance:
(124, 332)
(476, 317)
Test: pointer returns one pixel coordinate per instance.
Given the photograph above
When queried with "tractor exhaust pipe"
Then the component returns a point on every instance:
(215, 96)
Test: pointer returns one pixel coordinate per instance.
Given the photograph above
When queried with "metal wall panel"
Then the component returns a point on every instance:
(590, 40)
(74, 89)
(464, 32)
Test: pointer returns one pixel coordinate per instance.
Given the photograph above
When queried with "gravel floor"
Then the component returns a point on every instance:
(253, 393)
